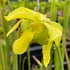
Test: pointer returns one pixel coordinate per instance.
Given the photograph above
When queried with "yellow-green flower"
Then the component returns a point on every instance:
(36, 27)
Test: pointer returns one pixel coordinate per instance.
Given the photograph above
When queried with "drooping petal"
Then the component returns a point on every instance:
(57, 41)
(54, 32)
(21, 44)
(46, 53)
(25, 13)
(57, 25)
(15, 26)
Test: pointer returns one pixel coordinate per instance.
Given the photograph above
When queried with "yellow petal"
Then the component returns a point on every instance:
(15, 26)
(46, 53)
(57, 25)
(41, 37)
(24, 13)
(57, 41)
(26, 25)
(36, 27)
(21, 44)
(54, 32)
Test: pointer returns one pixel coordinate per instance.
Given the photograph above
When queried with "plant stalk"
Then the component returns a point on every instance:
(13, 38)
(53, 15)
(26, 4)
(23, 63)
(43, 67)
(53, 10)
(56, 60)
(20, 61)
(60, 58)
(15, 64)
(28, 57)
(65, 25)
(67, 58)
(4, 62)
(5, 26)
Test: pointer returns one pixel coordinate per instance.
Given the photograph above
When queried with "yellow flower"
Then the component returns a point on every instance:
(36, 27)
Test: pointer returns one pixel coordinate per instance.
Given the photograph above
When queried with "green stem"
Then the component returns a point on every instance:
(1, 63)
(26, 3)
(36, 67)
(28, 56)
(6, 28)
(4, 62)
(56, 60)
(66, 13)
(20, 62)
(13, 38)
(19, 2)
(43, 67)
(67, 58)
(23, 63)
(53, 13)
(60, 58)
(0, 58)
(15, 64)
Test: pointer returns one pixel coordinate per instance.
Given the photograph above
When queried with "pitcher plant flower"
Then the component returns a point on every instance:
(36, 27)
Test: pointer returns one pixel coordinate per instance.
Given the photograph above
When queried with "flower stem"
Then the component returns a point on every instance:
(15, 64)
(23, 63)
(53, 13)
(2, 53)
(28, 56)
(56, 60)
(60, 58)
(13, 38)
(66, 13)
(26, 3)
(20, 61)
(43, 67)
(53, 10)
(67, 58)
(5, 26)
